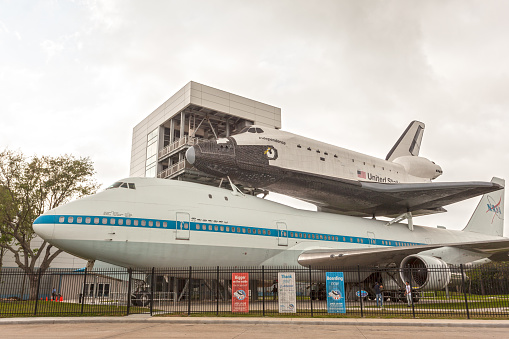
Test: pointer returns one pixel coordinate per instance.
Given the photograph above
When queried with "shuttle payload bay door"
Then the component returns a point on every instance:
(282, 234)
(183, 226)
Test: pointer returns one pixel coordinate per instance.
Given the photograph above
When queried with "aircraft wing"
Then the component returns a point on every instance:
(496, 250)
(371, 198)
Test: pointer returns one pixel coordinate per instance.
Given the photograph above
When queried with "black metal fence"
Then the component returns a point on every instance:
(457, 292)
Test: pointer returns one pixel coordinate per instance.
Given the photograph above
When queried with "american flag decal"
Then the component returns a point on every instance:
(361, 174)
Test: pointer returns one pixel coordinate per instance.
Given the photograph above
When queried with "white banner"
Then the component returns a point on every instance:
(287, 292)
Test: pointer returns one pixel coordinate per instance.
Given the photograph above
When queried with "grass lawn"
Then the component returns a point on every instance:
(55, 309)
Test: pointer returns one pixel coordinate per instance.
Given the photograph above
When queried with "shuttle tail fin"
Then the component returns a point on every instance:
(409, 143)
(488, 217)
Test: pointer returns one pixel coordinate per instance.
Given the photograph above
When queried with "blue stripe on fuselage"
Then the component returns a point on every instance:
(214, 228)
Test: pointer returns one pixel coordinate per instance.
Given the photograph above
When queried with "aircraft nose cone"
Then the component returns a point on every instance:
(190, 155)
(44, 226)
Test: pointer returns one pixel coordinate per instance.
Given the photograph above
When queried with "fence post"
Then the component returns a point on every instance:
(464, 290)
(311, 290)
(130, 272)
(411, 290)
(189, 292)
(152, 292)
(83, 291)
(217, 292)
(360, 289)
(38, 286)
(263, 290)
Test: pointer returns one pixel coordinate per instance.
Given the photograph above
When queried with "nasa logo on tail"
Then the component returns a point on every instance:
(271, 153)
(495, 208)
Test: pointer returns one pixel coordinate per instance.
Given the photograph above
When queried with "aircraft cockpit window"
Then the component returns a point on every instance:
(118, 184)
(115, 185)
(252, 130)
(259, 130)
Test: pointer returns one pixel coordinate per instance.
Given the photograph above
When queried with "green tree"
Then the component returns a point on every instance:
(28, 188)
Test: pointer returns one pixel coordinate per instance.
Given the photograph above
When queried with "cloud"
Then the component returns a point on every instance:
(351, 73)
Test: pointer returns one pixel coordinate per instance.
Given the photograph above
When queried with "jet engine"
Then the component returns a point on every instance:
(425, 272)
(419, 167)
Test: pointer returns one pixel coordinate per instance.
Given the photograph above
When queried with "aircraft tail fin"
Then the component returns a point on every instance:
(409, 143)
(488, 217)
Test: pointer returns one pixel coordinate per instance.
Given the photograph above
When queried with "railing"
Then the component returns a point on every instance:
(483, 292)
(174, 146)
(172, 170)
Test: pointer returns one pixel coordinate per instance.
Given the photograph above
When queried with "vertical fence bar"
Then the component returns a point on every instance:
(360, 289)
(189, 292)
(38, 286)
(217, 291)
(311, 290)
(130, 275)
(411, 290)
(464, 290)
(83, 291)
(152, 292)
(263, 290)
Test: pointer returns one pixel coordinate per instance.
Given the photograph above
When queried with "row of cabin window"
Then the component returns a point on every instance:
(292, 234)
(234, 230)
(88, 220)
(113, 221)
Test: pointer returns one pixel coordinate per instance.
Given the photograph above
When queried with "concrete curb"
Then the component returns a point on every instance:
(264, 321)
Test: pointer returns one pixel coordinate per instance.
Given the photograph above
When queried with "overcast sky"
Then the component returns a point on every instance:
(77, 76)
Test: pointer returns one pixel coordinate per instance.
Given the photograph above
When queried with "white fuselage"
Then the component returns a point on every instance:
(164, 223)
(311, 156)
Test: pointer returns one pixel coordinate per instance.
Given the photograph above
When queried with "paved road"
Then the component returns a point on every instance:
(172, 330)
(141, 326)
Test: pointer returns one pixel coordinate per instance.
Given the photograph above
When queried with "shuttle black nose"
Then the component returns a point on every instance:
(190, 155)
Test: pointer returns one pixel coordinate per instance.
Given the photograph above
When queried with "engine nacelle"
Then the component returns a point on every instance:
(419, 167)
(425, 272)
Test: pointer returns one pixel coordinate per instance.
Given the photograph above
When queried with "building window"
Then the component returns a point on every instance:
(151, 160)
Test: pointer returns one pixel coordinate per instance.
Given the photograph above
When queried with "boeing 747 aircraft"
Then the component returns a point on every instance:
(148, 222)
(335, 179)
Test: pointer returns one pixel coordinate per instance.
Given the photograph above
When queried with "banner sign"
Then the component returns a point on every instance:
(287, 292)
(240, 290)
(335, 292)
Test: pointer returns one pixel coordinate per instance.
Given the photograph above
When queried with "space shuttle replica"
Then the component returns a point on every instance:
(335, 179)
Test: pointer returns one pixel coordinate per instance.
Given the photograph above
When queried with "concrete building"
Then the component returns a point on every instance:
(195, 112)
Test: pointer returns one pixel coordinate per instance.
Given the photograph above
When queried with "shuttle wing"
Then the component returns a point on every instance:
(368, 198)
(496, 250)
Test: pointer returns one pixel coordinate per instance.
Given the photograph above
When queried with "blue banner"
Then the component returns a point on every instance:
(335, 292)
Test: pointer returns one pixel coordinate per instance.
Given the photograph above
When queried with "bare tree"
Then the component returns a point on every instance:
(28, 188)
